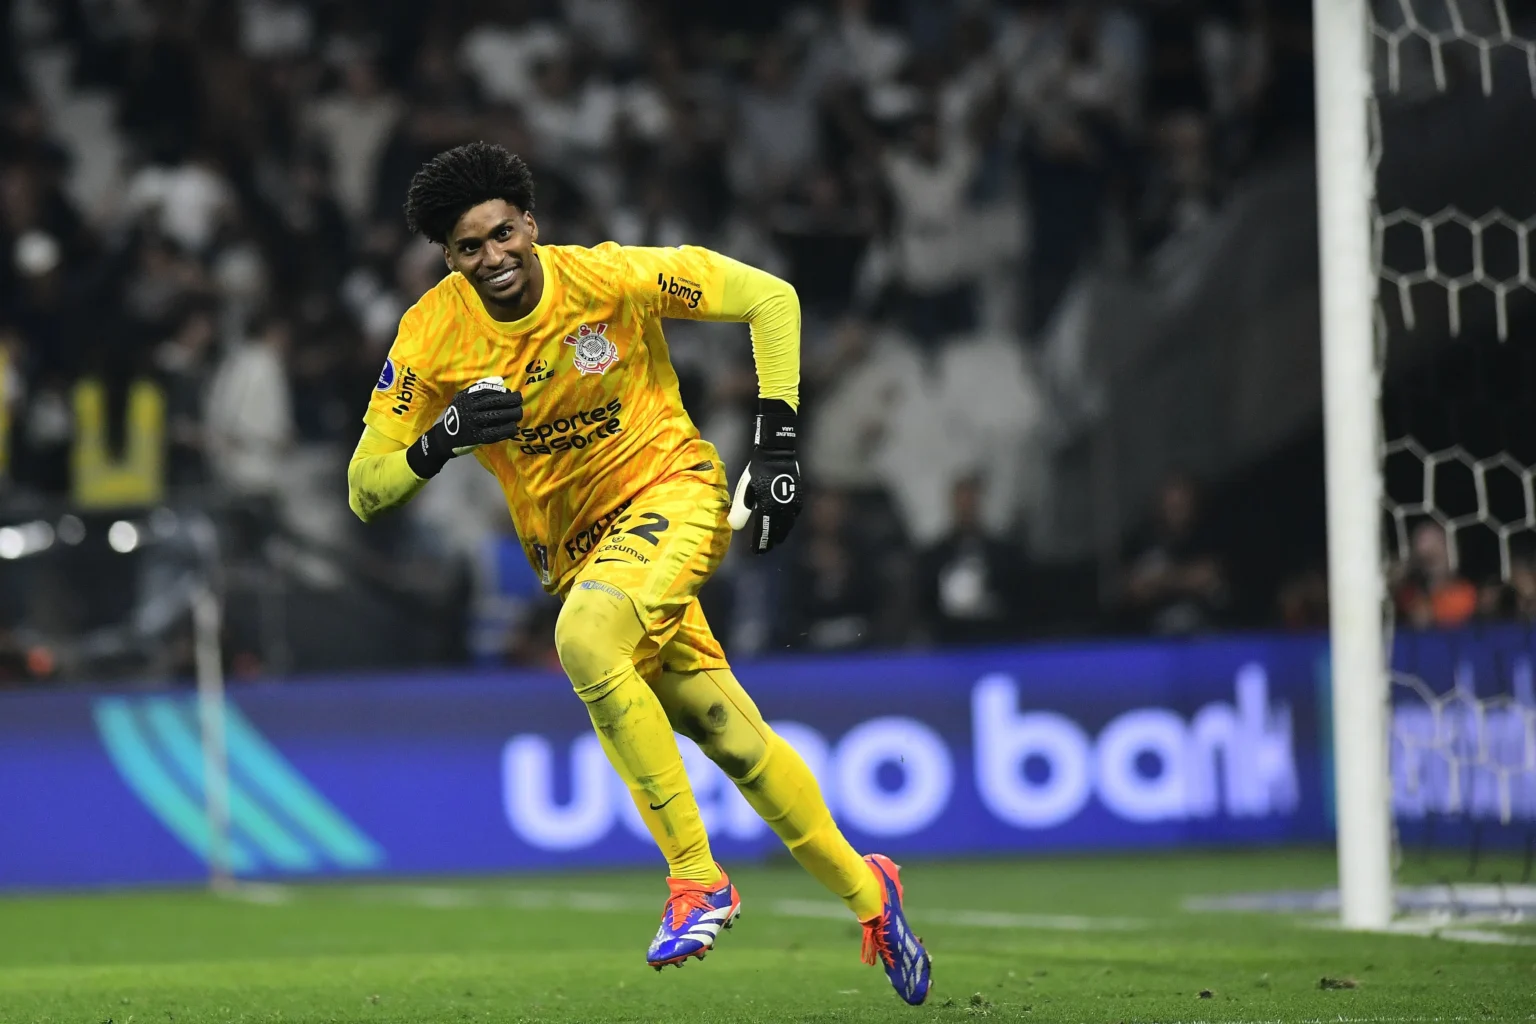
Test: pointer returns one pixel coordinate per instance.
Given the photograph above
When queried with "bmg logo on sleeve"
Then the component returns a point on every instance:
(409, 383)
(680, 288)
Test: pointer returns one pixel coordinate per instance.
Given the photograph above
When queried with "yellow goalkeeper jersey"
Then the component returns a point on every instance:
(602, 418)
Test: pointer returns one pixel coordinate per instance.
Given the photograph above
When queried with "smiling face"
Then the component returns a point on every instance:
(492, 246)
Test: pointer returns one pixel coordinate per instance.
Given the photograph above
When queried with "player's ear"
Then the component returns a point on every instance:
(448, 259)
(533, 227)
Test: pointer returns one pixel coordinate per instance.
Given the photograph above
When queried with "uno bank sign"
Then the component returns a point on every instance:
(1082, 747)
(1002, 761)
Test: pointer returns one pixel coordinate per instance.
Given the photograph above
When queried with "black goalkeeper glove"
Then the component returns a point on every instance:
(486, 412)
(768, 494)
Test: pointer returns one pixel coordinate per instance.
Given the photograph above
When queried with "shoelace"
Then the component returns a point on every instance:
(875, 943)
(684, 900)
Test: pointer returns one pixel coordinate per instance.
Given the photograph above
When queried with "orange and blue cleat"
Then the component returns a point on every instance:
(888, 939)
(691, 920)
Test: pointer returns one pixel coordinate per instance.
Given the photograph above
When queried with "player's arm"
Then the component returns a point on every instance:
(693, 283)
(767, 497)
(413, 428)
(385, 472)
(697, 284)
(378, 477)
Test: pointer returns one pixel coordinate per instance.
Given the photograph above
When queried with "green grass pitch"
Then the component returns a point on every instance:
(1088, 939)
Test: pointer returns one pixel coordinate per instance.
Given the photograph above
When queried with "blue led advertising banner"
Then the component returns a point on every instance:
(1010, 750)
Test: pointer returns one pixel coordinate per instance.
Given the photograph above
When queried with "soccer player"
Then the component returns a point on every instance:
(548, 364)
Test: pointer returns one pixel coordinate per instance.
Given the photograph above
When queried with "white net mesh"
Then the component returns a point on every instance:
(1456, 102)
(1443, 29)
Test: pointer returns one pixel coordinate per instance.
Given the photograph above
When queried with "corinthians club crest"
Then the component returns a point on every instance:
(594, 352)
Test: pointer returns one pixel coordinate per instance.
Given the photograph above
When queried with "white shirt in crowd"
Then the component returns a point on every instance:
(250, 418)
(502, 58)
(355, 128)
(187, 202)
(933, 248)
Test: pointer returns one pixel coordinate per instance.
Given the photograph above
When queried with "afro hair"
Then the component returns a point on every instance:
(459, 178)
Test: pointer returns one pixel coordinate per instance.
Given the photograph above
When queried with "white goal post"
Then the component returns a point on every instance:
(1351, 390)
(207, 626)
(1423, 77)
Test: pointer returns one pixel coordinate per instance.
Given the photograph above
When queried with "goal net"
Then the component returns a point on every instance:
(1450, 124)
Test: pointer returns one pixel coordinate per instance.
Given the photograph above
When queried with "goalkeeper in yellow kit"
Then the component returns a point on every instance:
(548, 364)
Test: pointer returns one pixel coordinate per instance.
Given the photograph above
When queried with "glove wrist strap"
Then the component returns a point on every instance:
(777, 426)
(429, 454)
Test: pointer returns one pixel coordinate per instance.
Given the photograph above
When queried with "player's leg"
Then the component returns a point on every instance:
(710, 707)
(626, 602)
(706, 703)
(596, 637)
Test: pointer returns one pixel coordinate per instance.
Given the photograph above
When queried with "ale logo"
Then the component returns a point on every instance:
(279, 823)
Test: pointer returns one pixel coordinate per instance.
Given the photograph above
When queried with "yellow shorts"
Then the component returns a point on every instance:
(658, 553)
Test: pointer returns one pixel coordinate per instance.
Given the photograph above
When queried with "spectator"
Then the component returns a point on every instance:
(32, 197)
(354, 125)
(160, 281)
(777, 131)
(52, 331)
(1302, 603)
(832, 597)
(1174, 580)
(972, 584)
(313, 230)
(928, 178)
(869, 53)
(183, 364)
(162, 100)
(979, 395)
(250, 413)
(1180, 191)
(505, 46)
(612, 27)
(865, 372)
(44, 307)
(823, 231)
(1514, 597)
(1427, 590)
(1077, 99)
(571, 118)
(273, 29)
(13, 393)
(656, 219)
(185, 200)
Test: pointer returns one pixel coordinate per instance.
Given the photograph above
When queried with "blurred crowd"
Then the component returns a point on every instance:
(206, 194)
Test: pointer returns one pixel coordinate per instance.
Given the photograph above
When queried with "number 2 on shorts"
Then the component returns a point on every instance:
(648, 530)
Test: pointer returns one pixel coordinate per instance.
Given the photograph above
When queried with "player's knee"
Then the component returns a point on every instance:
(739, 747)
(593, 636)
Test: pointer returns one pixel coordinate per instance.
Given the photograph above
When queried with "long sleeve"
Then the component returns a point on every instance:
(378, 477)
(693, 283)
(772, 308)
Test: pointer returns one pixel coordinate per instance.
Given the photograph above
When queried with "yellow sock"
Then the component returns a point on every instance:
(640, 746)
(596, 636)
(783, 791)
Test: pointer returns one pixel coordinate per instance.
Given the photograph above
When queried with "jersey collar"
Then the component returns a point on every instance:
(524, 324)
